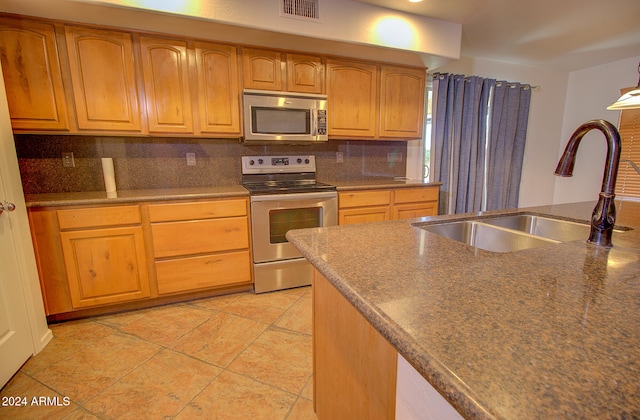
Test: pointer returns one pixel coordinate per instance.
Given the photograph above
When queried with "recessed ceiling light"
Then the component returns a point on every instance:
(415, 1)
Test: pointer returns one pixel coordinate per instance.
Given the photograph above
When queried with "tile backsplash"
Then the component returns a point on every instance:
(149, 163)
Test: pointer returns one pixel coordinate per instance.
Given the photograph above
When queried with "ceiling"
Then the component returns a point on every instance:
(559, 34)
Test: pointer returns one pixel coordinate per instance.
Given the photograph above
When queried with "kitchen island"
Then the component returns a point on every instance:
(548, 332)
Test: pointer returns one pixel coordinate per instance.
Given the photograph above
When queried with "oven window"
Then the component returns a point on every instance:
(280, 121)
(283, 220)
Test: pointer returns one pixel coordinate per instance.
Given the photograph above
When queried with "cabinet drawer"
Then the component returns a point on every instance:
(199, 236)
(413, 195)
(364, 198)
(98, 216)
(197, 210)
(185, 274)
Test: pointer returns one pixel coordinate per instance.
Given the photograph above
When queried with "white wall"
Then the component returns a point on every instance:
(589, 92)
(545, 120)
(563, 102)
(346, 27)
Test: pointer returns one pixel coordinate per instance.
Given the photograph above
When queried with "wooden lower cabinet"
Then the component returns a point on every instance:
(90, 256)
(105, 265)
(354, 367)
(98, 259)
(378, 205)
(200, 245)
(409, 203)
(363, 206)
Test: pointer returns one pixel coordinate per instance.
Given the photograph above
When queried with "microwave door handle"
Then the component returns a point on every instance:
(314, 122)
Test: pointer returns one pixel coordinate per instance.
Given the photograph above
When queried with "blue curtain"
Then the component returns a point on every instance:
(478, 137)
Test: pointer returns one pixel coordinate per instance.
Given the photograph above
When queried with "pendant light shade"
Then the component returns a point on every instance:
(629, 100)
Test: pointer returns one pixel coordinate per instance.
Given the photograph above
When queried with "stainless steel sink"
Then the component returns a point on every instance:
(559, 230)
(487, 237)
(512, 232)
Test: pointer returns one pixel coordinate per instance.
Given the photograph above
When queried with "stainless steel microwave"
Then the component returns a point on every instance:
(284, 117)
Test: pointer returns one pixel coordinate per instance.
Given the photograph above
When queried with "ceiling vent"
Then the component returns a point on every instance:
(301, 9)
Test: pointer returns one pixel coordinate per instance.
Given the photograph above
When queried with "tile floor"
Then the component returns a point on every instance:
(236, 356)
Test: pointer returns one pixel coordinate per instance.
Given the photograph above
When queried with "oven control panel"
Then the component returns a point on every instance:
(278, 164)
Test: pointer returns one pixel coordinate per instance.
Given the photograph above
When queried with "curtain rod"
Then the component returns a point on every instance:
(498, 83)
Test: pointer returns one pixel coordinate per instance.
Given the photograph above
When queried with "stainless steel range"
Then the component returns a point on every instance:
(284, 195)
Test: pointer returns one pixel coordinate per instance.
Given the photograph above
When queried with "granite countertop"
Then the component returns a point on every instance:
(369, 183)
(550, 332)
(130, 196)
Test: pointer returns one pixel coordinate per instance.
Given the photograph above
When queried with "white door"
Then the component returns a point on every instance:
(15, 334)
(23, 325)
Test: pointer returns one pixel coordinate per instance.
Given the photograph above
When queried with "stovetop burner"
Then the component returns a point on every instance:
(263, 175)
(286, 187)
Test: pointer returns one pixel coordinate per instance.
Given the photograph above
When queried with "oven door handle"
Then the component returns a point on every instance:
(294, 196)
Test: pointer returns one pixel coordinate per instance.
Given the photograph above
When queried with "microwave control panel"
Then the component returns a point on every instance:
(322, 122)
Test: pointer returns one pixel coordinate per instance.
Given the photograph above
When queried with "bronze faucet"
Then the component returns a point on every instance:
(603, 218)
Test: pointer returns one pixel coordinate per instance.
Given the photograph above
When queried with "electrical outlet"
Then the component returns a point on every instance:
(67, 160)
(339, 157)
(191, 159)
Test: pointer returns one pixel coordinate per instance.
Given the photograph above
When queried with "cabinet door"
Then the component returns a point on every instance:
(262, 69)
(105, 265)
(402, 93)
(352, 99)
(32, 77)
(218, 88)
(363, 215)
(165, 68)
(103, 78)
(410, 211)
(354, 366)
(305, 73)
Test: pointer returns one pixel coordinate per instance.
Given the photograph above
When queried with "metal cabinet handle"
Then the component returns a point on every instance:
(6, 206)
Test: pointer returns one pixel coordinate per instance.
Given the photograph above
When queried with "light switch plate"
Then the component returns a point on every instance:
(67, 160)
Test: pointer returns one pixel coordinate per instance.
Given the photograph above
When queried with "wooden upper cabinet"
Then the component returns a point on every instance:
(305, 73)
(402, 94)
(352, 99)
(32, 77)
(165, 67)
(103, 78)
(262, 69)
(218, 88)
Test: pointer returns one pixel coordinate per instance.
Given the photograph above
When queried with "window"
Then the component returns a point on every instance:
(427, 136)
(628, 183)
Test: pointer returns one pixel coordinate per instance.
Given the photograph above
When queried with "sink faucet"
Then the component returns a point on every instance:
(604, 214)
